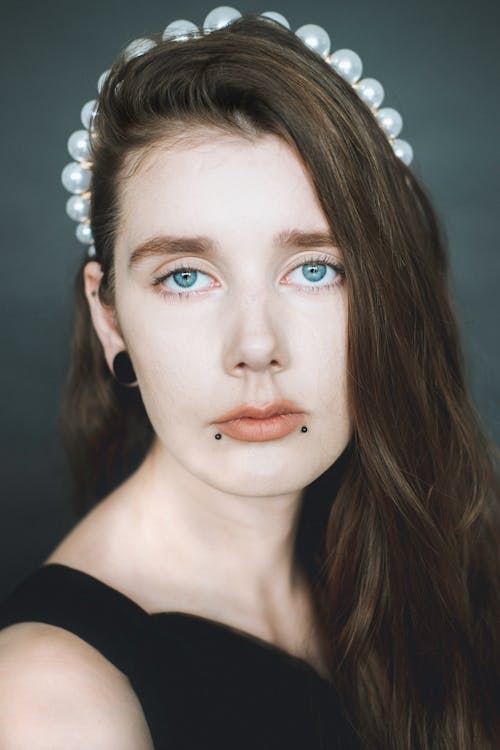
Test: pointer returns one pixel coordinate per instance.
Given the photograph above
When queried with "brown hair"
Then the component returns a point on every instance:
(403, 556)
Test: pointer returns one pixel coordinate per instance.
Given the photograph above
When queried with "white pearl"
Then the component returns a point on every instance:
(179, 30)
(79, 145)
(390, 121)
(75, 177)
(91, 251)
(138, 47)
(348, 64)
(84, 233)
(220, 17)
(102, 80)
(370, 91)
(315, 37)
(276, 17)
(88, 111)
(403, 150)
(77, 208)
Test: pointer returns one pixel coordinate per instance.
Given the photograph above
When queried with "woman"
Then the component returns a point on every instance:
(304, 555)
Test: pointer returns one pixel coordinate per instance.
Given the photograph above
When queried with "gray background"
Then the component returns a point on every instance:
(438, 63)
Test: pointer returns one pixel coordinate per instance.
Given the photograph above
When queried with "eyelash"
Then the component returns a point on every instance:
(315, 259)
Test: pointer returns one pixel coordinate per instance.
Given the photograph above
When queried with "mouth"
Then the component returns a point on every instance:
(265, 411)
(257, 424)
(258, 430)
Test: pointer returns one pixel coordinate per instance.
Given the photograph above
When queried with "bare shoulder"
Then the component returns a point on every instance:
(57, 691)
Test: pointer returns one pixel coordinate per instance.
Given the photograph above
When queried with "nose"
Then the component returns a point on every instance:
(255, 336)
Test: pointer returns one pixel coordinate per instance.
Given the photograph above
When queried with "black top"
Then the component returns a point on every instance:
(201, 683)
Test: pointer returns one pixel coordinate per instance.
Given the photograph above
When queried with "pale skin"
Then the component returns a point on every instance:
(203, 526)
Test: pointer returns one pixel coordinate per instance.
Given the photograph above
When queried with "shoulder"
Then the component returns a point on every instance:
(57, 691)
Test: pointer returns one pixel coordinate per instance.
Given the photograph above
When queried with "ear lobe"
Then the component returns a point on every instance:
(103, 317)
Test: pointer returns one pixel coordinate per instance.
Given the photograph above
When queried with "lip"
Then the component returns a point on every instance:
(258, 430)
(259, 423)
(271, 409)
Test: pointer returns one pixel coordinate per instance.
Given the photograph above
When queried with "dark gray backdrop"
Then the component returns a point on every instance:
(438, 63)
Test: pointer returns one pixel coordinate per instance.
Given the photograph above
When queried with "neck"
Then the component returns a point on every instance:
(234, 547)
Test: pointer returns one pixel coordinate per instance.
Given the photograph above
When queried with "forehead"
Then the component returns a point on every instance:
(218, 185)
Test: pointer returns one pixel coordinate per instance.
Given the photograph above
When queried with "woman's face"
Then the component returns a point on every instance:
(248, 323)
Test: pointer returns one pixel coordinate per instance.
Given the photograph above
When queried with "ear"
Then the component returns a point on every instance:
(103, 317)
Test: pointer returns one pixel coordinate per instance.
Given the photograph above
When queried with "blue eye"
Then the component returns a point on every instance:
(185, 277)
(312, 270)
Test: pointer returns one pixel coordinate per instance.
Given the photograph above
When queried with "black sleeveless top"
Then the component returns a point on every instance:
(202, 684)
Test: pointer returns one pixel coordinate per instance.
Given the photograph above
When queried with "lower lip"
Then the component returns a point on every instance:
(258, 430)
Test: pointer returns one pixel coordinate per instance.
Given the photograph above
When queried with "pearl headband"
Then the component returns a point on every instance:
(76, 176)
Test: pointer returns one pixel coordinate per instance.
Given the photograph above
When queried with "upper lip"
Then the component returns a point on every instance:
(283, 406)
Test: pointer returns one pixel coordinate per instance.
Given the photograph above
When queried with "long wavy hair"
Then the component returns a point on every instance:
(401, 541)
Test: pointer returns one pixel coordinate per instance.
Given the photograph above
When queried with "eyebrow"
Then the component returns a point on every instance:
(165, 245)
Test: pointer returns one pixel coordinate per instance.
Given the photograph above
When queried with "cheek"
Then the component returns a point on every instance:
(171, 364)
(323, 346)
(330, 375)
(167, 344)
(171, 359)
(331, 390)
